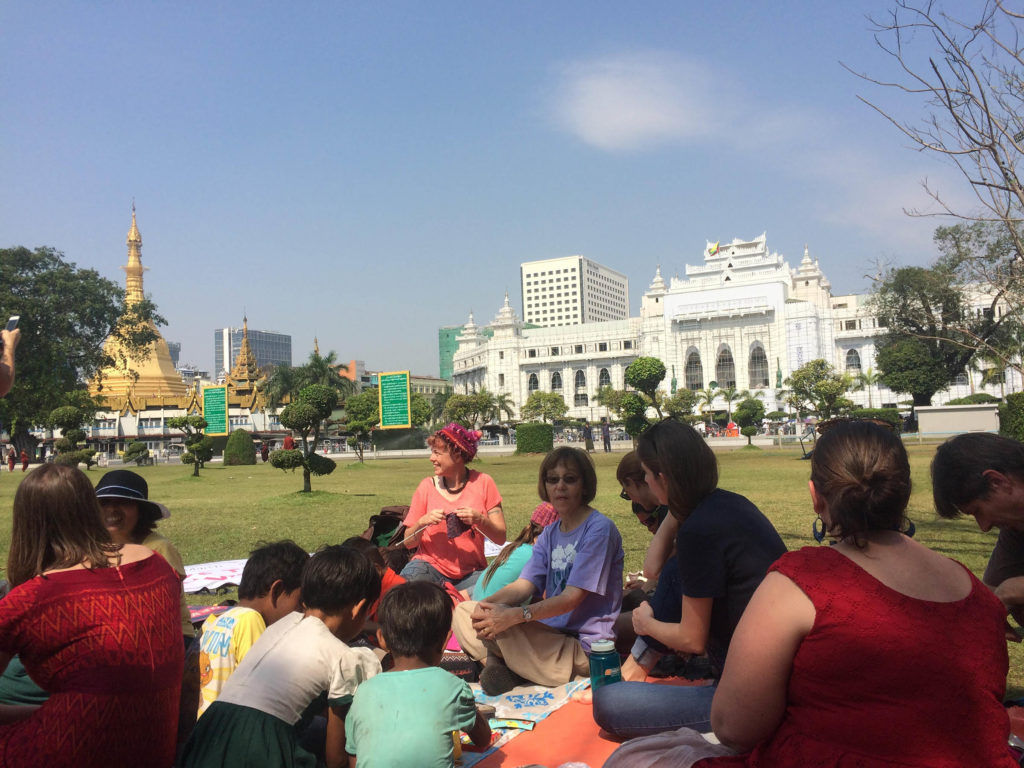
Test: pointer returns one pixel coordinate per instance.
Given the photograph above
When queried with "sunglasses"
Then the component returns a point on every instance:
(567, 479)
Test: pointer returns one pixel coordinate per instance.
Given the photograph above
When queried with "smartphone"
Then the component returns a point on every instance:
(12, 322)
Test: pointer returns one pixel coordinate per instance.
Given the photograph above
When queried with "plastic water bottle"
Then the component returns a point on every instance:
(604, 664)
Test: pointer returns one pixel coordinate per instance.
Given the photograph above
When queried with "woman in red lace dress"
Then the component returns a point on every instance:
(873, 652)
(95, 625)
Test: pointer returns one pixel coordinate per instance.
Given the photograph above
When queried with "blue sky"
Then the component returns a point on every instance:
(368, 172)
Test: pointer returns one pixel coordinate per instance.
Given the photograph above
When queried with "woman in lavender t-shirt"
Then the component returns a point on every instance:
(576, 567)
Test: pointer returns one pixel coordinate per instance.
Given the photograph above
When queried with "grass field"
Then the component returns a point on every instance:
(222, 514)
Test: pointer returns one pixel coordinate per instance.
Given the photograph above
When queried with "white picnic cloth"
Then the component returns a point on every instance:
(212, 575)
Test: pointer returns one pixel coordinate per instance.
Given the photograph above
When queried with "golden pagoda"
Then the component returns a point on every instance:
(131, 381)
(245, 375)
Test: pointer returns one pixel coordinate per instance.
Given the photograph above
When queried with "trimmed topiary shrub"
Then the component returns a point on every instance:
(748, 432)
(535, 437)
(290, 459)
(1011, 417)
(979, 398)
(890, 415)
(240, 448)
(136, 451)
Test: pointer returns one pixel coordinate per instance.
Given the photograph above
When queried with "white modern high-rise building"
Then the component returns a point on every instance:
(572, 290)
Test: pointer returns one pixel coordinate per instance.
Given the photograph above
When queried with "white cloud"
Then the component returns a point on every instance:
(646, 99)
(634, 101)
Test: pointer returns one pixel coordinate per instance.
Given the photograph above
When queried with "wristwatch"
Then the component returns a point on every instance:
(527, 615)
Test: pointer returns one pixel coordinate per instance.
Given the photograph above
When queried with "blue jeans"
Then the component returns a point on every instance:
(421, 570)
(628, 710)
(667, 600)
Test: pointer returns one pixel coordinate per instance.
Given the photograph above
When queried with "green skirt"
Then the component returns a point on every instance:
(233, 736)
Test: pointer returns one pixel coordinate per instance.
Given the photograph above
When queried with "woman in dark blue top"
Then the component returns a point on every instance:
(724, 547)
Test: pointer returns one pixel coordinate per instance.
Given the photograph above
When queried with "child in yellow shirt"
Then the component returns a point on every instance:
(269, 591)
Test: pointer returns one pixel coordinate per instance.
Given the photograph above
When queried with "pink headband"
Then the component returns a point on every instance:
(464, 439)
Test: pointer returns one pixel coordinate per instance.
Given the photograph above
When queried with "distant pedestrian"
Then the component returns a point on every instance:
(264, 452)
(606, 435)
(24, 461)
(588, 436)
(11, 458)
(289, 443)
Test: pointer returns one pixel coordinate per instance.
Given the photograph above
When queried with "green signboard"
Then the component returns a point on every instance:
(393, 399)
(215, 410)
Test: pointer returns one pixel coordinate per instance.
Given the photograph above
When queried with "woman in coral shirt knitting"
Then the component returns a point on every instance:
(451, 513)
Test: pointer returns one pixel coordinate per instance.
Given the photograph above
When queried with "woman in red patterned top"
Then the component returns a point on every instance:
(96, 625)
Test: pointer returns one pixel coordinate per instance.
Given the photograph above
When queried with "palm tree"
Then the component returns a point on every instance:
(994, 375)
(866, 380)
(751, 394)
(286, 381)
(326, 370)
(706, 398)
(503, 405)
(730, 394)
(486, 408)
(280, 384)
(992, 369)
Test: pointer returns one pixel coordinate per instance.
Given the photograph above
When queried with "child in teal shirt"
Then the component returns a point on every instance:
(407, 716)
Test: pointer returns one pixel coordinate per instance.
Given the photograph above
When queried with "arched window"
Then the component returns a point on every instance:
(556, 382)
(725, 368)
(604, 379)
(694, 373)
(758, 368)
(853, 361)
(581, 380)
(961, 380)
(532, 384)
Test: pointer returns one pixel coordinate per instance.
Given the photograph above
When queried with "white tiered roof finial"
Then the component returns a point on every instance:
(658, 283)
(506, 315)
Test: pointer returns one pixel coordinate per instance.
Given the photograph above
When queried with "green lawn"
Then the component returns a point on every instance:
(227, 510)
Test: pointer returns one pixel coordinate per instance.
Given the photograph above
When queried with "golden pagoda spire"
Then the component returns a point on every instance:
(245, 369)
(149, 375)
(134, 269)
(242, 382)
(316, 346)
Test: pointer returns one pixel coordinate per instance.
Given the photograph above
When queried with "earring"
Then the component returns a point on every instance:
(818, 529)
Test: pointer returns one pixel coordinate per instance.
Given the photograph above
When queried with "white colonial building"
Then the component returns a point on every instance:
(743, 319)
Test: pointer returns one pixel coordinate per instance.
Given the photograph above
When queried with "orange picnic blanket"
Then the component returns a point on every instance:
(568, 734)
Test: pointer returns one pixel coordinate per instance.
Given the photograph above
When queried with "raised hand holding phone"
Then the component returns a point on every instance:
(9, 338)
